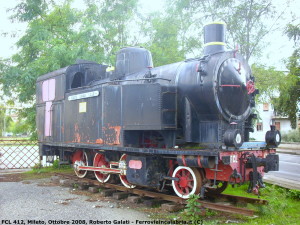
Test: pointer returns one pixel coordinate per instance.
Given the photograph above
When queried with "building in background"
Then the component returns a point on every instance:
(266, 116)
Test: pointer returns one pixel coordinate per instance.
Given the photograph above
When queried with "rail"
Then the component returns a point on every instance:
(145, 193)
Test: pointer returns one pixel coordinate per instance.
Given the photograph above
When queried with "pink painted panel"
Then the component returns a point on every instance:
(135, 164)
(45, 90)
(48, 119)
(51, 90)
(48, 90)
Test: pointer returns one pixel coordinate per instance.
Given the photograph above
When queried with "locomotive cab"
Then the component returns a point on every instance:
(83, 73)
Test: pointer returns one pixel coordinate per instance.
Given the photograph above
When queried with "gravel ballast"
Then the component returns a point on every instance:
(51, 204)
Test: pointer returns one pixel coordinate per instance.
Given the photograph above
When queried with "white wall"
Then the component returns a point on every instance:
(266, 118)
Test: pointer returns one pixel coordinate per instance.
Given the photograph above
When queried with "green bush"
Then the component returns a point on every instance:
(192, 211)
(55, 164)
(293, 194)
(292, 136)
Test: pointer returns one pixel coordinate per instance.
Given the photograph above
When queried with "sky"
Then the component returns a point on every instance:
(278, 46)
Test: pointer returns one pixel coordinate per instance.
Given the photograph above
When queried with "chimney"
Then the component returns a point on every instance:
(214, 38)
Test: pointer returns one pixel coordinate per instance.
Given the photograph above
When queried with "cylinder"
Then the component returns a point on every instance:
(196, 161)
(214, 38)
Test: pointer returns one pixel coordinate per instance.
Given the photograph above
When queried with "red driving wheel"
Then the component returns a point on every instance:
(189, 181)
(123, 178)
(80, 158)
(100, 161)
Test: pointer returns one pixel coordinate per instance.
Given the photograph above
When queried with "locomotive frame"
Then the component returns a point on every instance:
(184, 125)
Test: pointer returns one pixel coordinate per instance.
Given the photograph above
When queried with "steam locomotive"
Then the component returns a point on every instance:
(183, 126)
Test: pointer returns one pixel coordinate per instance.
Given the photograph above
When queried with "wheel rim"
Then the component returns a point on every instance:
(122, 165)
(99, 161)
(80, 159)
(189, 181)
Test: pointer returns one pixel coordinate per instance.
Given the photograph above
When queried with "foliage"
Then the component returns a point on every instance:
(282, 209)
(164, 44)
(293, 194)
(192, 211)
(5, 120)
(288, 102)
(246, 20)
(105, 26)
(291, 136)
(39, 168)
(28, 10)
(55, 164)
(267, 82)
(56, 36)
(293, 32)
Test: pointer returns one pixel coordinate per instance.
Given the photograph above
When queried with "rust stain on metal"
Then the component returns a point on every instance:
(99, 141)
(77, 137)
(112, 135)
(118, 132)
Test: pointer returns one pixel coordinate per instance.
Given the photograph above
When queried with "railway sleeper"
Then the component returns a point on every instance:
(145, 195)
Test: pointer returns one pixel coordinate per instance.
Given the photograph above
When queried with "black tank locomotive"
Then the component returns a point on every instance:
(185, 125)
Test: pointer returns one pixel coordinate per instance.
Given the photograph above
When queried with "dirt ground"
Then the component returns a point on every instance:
(17, 177)
(30, 200)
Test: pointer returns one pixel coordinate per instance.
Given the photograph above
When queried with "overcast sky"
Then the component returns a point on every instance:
(279, 46)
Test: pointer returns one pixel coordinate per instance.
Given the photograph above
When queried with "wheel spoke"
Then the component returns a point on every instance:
(187, 191)
(100, 161)
(190, 185)
(190, 181)
(80, 159)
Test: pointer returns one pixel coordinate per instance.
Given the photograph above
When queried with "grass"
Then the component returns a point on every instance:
(38, 171)
(51, 170)
(239, 191)
(283, 208)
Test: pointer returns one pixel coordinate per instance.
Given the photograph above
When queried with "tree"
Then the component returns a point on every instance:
(106, 24)
(288, 102)
(19, 127)
(267, 81)
(163, 40)
(5, 120)
(245, 20)
(56, 36)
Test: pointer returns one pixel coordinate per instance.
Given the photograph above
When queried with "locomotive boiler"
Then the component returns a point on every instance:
(184, 125)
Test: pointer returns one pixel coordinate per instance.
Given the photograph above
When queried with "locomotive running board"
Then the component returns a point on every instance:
(100, 169)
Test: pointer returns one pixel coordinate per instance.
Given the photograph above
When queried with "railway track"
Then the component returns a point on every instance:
(156, 195)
